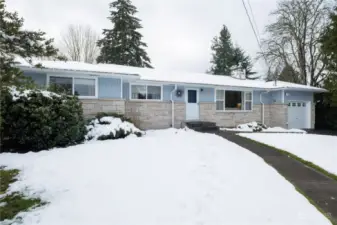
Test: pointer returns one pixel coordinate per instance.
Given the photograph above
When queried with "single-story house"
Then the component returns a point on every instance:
(157, 99)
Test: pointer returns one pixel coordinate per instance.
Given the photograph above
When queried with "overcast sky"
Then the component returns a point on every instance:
(178, 32)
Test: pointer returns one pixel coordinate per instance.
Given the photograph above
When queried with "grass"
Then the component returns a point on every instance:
(305, 162)
(13, 203)
(309, 164)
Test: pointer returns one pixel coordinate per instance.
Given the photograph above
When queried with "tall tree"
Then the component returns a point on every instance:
(14, 42)
(227, 58)
(329, 51)
(244, 64)
(223, 53)
(80, 43)
(288, 74)
(122, 44)
(293, 39)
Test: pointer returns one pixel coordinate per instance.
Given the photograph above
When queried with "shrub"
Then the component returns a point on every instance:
(105, 127)
(112, 114)
(32, 120)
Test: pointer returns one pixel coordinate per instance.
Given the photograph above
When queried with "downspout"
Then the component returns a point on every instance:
(172, 103)
(282, 89)
(262, 105)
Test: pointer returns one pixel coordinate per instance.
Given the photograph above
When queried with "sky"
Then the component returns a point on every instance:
(178, 32)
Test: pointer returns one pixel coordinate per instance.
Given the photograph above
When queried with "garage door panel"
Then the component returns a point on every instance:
(297, 115)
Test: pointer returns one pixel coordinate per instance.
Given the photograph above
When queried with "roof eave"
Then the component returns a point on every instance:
(97, 73)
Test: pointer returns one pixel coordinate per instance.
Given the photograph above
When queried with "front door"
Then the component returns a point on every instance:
(192, 104)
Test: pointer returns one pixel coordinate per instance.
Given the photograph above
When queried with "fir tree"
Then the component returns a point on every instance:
(227, 58)
(122, 44)
(14, 41)
(243, 63)
(223, 54)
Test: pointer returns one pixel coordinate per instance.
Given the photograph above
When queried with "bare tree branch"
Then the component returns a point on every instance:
(79, 43)
(293, 40)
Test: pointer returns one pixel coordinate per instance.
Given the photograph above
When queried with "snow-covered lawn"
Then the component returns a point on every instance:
(259, 127)
(167, 177)
(318, 149)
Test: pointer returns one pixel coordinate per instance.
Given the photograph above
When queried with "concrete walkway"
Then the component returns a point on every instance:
(319, 188)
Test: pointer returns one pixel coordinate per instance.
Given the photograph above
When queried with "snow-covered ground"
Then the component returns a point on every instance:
(166, 177)
(318, 149)
(258, 127)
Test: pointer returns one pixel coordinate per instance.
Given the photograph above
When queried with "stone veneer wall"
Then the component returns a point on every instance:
(313, 115)
(154, 115)
(275, 115)
(228, 119)
(93, 106)
(157, 115)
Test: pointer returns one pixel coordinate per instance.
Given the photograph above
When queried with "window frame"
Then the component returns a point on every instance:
(73, 83)
(243, 102)
(146, 91)
(223, 99)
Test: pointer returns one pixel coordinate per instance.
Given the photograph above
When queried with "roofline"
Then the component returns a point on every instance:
(138, 77)
(246, 87)
(98, 73)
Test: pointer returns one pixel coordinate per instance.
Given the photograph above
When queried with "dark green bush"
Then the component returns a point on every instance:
(34, 121)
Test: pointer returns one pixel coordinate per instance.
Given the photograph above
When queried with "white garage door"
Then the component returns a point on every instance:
(297, 115)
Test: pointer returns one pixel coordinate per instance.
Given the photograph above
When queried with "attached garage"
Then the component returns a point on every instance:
(299, 114)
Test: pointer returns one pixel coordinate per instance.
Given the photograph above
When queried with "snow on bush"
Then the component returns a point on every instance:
(17, 94)
(253, 126)
(260, 127)
(109, 127)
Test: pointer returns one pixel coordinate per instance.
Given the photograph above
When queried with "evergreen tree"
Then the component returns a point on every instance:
(288, 74)
(227, 58)
(329, 50)
(14, 41)
(122, 44)
(244, 63)
(223, 53)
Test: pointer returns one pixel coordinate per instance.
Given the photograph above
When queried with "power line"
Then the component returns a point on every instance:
(254, 21)
(255, 34)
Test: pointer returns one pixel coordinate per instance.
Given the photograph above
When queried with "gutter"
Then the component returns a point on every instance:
(172, 103)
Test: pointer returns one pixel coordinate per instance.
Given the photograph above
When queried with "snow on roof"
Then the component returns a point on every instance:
(166, 76)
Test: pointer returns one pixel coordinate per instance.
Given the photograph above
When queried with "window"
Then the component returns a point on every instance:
(149, 92)
(220, 99)
(154, 92)
(63, 84)
(192, 96)
(248, 100)
(83, 87)
(233, 100)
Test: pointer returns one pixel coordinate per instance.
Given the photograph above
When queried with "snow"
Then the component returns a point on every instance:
(17, 94)
(253, 126)
(5, 36)
(159, 75)
(166, 177)
(115, 124)
(318, 149)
